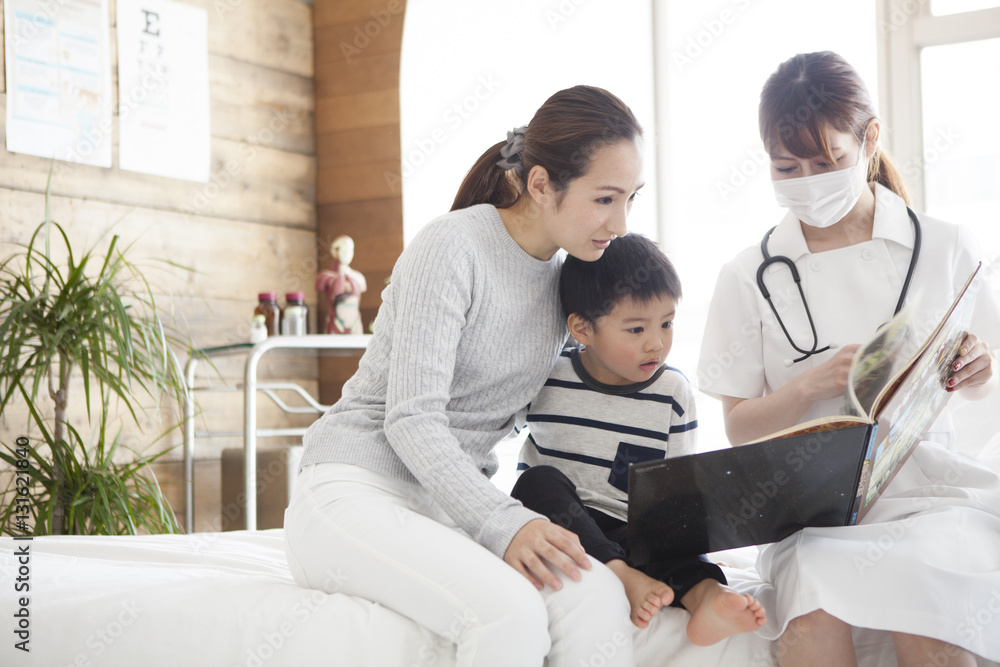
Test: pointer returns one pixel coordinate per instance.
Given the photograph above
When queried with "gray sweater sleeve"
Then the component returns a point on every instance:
(426, 334)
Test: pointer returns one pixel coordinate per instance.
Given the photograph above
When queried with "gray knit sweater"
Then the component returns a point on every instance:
(469, 328)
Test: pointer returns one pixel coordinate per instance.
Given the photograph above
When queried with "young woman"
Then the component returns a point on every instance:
(394, 497)
(924, 561)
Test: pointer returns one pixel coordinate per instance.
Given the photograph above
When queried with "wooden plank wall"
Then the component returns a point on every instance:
(250, 231)
(358, 148)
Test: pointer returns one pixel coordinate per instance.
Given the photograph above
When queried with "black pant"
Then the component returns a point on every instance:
(548, 491)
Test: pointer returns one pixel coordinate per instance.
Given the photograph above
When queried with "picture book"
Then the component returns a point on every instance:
(825, 472)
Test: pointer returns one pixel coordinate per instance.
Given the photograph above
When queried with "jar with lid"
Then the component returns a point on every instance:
(268, 307)
(295, 316)
(258, 330)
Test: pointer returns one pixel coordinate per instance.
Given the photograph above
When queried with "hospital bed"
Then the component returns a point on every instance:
(227, 599)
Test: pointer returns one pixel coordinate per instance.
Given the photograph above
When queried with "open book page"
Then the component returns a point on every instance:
(883, 370)
(817, 425)
(876, 364)
(918, 399)
(954, 323)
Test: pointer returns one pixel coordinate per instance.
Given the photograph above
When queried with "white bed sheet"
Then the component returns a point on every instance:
(227, 599)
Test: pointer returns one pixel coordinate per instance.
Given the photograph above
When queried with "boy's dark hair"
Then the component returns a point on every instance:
(633, 267)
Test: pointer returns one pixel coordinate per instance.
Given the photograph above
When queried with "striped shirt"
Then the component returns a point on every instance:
(592, 431)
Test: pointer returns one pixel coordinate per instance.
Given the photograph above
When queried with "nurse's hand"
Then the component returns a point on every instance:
(540, 539)
(973, 367)
(829, 379)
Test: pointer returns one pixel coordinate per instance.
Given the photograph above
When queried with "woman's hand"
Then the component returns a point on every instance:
(829, 379)
(750, 418)
(974, 366)
(540, 539)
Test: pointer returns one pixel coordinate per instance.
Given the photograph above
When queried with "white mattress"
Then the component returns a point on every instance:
(227, 599)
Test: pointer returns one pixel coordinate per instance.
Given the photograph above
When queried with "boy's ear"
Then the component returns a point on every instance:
(580, 328)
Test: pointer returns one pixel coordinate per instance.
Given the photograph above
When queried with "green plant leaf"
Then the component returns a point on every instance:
(54, 319)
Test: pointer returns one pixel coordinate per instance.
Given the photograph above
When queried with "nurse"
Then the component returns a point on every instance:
(926, 559)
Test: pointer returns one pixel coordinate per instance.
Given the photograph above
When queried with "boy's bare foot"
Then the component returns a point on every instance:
(645, 595)
(718, 612)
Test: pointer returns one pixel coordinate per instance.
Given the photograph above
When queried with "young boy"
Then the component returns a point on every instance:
(611, 402)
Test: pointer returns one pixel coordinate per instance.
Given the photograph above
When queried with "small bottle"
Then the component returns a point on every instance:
(268, 307)
(258, 329)
(295, 316)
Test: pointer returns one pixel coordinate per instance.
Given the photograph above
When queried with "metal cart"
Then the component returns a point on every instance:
(342, 343)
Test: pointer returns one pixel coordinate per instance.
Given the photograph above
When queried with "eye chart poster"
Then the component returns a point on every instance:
(58, 79)
(163, 99)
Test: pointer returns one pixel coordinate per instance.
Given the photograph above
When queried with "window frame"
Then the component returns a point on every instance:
(904, 29)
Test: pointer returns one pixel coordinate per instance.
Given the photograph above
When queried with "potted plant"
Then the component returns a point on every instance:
(96, 315)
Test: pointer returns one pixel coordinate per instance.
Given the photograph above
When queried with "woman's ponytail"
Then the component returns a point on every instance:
(487, 183)
(882, 169)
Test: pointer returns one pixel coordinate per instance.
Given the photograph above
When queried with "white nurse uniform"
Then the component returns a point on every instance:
(926, 559)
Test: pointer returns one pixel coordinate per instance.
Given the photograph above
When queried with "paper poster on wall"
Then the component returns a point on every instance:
(58, 79)
(163, 89)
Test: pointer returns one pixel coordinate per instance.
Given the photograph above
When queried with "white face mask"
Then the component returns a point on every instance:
(822, 200)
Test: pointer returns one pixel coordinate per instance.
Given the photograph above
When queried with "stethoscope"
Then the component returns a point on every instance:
(769, 260)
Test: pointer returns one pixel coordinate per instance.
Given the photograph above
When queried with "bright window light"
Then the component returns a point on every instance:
(944, 7)
(961, 136)
(471, 71)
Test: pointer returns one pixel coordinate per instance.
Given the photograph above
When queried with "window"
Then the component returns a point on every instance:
(946, 7)
(942, 100)
(961, 137)
(472, 71)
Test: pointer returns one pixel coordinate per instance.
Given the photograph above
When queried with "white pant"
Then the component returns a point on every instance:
(351, 530)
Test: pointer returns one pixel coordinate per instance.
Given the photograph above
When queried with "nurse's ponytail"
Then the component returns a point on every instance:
(562, 137)
(810, 92)
(882, 169)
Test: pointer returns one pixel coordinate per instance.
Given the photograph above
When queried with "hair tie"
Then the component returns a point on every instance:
(511, 152)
